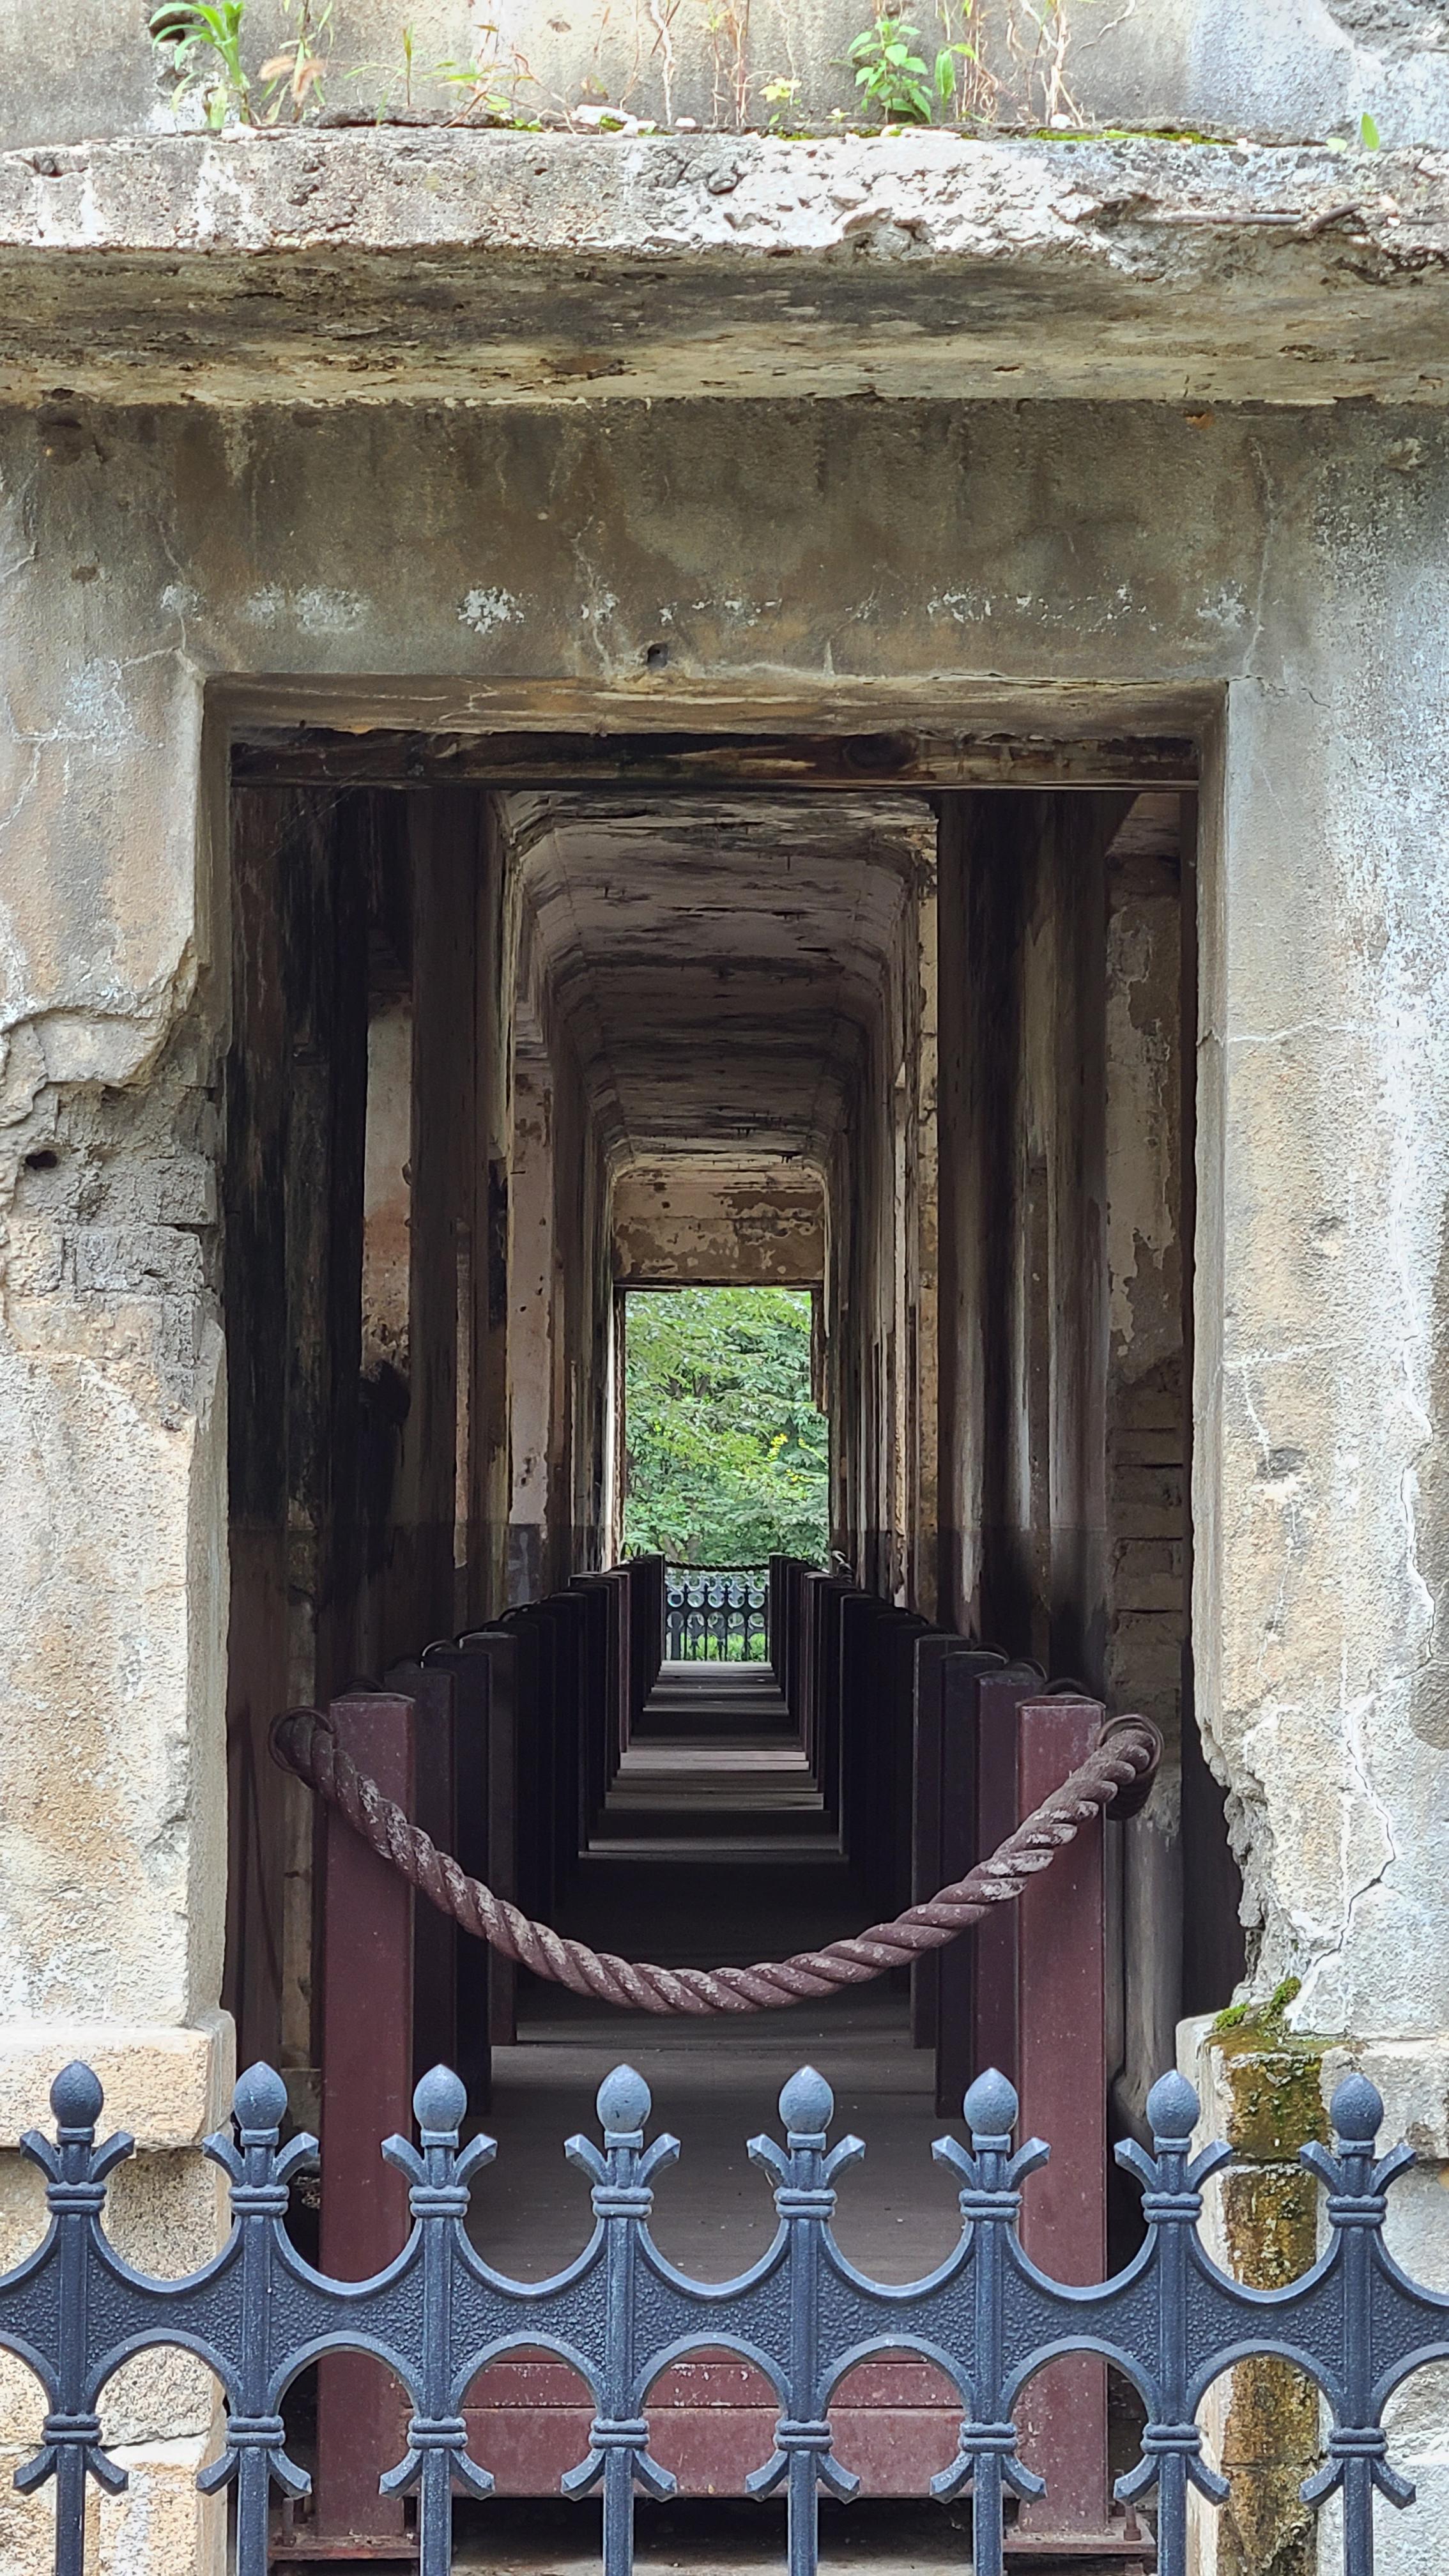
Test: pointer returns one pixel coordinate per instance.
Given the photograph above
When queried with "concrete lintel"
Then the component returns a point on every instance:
(393, 264)
(168, 2086)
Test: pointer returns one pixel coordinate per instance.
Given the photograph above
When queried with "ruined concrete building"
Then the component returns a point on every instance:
(595, 695)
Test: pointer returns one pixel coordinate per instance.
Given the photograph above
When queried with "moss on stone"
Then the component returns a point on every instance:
(1256, 2020)
(1272, 2078)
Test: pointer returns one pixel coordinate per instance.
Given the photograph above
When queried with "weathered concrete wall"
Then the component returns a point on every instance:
(1291, 67)
(1273, 579)
(589, 1538)
(719, 1226)
(294, 1087)
(387, 1190)
(1146, 1404)
(349, 1203)
(1146, 1411)
(1063, 1525)
(418, 1591)
(495, 985)
(551, 1265)
(1023, 1121)
(535, 1256)
(881, 1244)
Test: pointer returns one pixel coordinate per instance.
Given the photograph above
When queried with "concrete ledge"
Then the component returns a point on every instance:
(168, 2087)
(485, 266)
(1411, 2074)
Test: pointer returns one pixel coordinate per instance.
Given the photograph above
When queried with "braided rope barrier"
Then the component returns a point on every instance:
(1119, 1769)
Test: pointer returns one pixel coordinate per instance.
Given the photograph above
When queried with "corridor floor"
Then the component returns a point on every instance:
(715, 1769)
(714, 1847)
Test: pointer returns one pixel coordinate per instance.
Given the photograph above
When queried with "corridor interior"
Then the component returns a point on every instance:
(505, 1052)
(713, 1847)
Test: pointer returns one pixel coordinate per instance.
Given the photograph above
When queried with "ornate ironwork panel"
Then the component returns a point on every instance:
(716, 1614)
(621, 2313)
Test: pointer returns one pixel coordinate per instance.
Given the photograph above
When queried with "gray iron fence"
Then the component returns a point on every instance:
(621, 2313)
(716, 1614)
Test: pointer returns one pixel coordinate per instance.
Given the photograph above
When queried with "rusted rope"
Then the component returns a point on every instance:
(1123, 1763)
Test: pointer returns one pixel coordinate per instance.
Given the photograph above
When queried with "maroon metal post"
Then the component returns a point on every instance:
(823, 1595)
(955, 1675)
(493, 1849)
(646, 1626)
(803, 1583)
(535, 1635)
(926, 1875)
(624, 1605)
(776, 1648)
(1062, 2078)
(476, 1725)
(367, 2082)
(619, 1724)
(999, 1811)
(435, 1807)
(858, 1719)
(586, 1721)
(899, 1637)
(789, 1656)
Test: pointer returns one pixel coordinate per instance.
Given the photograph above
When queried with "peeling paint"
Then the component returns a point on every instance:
(484, 610)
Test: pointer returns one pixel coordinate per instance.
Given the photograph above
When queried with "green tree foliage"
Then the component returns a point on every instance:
(728, 1459)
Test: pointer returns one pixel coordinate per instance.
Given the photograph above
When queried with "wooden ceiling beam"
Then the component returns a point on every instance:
(314, 756)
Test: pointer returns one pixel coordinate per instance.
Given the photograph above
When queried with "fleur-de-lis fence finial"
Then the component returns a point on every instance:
(618, 2455)
(805, 2172)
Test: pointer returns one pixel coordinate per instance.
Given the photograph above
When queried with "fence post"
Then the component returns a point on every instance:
(823, 1596)
(532, 1632)
(621, 1650)
(877, 1709)
(501, 1653)
(925, 1858)
(859, 1714)
(776, 1654)
(1062, 2079)
(999, 1811)
(782, 1630)
(435, 1808)
(578, 1725)
(645, 1578)
(955, 1676)
(367, 2083)
(901, 1636)
(483, 1812)
(653, 1651)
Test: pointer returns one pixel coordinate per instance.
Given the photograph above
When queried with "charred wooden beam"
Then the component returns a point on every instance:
(315, 756)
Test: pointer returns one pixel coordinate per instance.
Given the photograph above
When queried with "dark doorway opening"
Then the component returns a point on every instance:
(933, 1040)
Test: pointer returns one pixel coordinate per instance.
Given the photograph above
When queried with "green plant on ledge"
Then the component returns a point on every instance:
(892, 78)
(782, 98)
(201, 40)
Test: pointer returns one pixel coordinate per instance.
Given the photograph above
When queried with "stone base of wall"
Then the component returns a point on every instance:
(1266, 2089)
(159, 2526)
(161, 2414)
